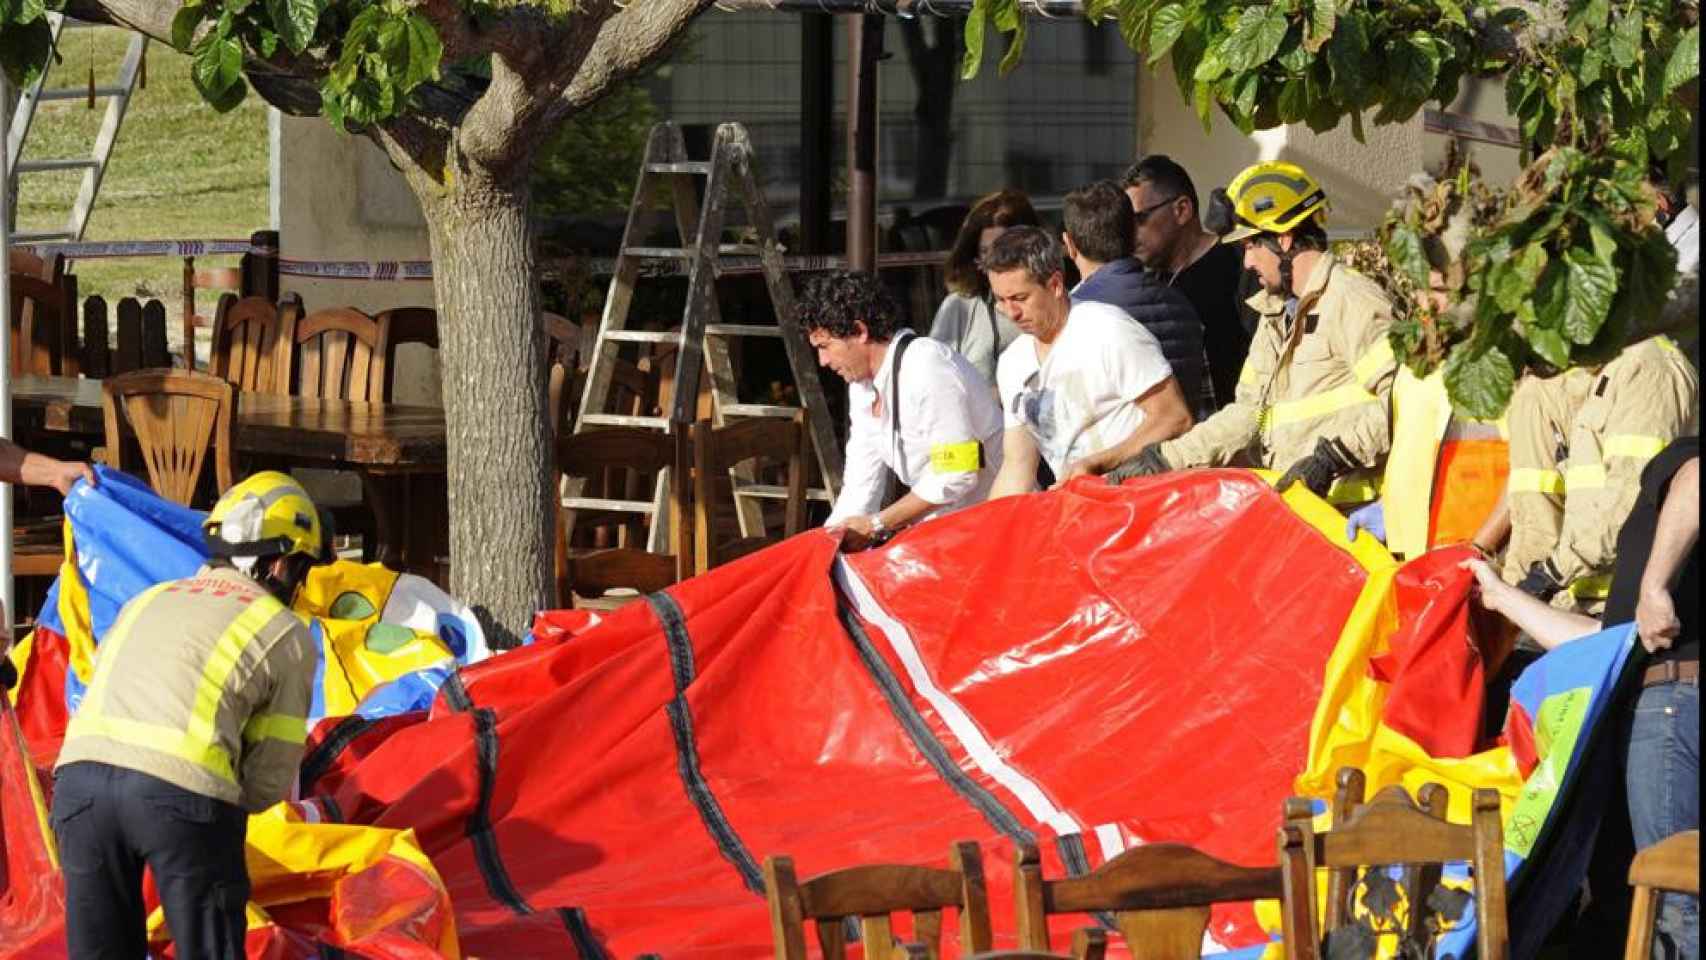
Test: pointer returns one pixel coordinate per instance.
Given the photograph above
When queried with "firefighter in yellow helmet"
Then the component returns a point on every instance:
(195, 716)
(1312, 399)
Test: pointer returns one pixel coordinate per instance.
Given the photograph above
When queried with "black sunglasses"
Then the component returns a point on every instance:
(1138, 217)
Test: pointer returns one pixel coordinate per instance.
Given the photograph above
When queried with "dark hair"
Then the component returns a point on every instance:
(1034, 249)
(1309, 235)
(1100, 221)
(1167, 176)
(1003, 208)
(833, 301)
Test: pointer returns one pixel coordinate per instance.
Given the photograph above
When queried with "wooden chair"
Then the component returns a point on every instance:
(592, 574)
(175, 416)
(716, 450)
(51, 269)
(1671, 865)
(339, 353)
(43, 327)
(870, 894)
(206, 278)
(563, 337)
(1390, 830)
(252, 342)
(407, 325)
(1159, 894)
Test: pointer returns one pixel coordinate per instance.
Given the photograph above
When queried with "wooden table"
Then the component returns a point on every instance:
(379, 440)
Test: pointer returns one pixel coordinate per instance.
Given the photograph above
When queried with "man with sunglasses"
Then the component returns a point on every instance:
(1170, 241)
(1314, 394)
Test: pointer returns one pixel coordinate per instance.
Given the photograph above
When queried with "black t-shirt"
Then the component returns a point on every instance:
(1217, 286)
(1635, 543)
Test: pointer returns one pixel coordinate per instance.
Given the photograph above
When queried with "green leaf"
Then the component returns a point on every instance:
(1588, 17)
(1592, 66)
(228, 100)
(268, 42)
(1204, 101)
(1323, 16)
(1479, 379)
(1604, 244)
(974, 40)
(1245, 101)
(1346, 55)
(1211, 67)
(28, 11)
(1015, 49)
(1523, 276)
(1450, 12)
(426, 51)
(1589, 286)
(1255, 38)
(295, 21)
(217, 66)
(1684, 62)
(1006, 15)
(1186, 54)
(184, 22)
(24, 49)
(1164, 29)
(1404, 248)
(1546, 342)
(1293, 101)
(1626, 40)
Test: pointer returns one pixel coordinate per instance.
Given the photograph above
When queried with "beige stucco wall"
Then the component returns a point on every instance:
(1361, 179)
(337, 197)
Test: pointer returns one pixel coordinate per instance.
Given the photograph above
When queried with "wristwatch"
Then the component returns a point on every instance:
(880, 532)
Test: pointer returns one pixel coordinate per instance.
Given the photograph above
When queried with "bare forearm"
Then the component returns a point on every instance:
(12, 462)
(1678, 529)
(1496, 529)
(1549, 626)
(904, 512)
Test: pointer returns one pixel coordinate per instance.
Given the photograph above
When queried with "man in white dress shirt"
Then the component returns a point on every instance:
(916, 407)
(1085, 386)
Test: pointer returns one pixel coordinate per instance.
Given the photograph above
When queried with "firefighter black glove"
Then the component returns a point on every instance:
(1147, 463)
(1542, 582)
(1317, 471)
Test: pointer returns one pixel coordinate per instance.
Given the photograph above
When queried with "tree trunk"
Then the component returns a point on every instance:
(493, 352)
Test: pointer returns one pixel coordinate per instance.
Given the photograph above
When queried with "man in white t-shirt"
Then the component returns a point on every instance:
(915, 406)
(1085, 386)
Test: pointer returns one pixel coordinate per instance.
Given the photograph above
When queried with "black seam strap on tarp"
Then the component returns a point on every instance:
(479, 827)
(321, 758)
(574, 921)
(928, 746)
(681, 669)
(456, 694)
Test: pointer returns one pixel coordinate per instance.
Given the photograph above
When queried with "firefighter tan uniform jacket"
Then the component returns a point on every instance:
(1541, 415)
(1325, 371)
(204, 683)
(1632, 409)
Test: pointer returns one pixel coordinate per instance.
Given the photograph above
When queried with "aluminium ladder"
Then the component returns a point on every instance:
(667, 174)
(94, 166)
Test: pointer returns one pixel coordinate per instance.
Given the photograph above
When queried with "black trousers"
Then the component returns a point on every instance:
(110, 822)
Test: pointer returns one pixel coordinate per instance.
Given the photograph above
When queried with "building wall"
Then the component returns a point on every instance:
(337, 197)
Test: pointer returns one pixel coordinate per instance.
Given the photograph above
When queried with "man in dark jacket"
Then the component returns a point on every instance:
(1099, 225)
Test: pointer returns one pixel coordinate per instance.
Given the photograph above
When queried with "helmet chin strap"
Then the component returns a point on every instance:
(1271, 241)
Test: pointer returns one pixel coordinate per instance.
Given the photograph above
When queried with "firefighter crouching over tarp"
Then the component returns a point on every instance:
(1312, 399)
(195, 717)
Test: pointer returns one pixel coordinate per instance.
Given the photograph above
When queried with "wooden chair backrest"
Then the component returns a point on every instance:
(1390, 830)
(176, 416)
(715, 451)
(407, 325)
(340, 354)
(869, 895)
(1671, 865)
(563, 338)
(252, 342)
(646, 453)
(51, 269)
(37, 315)
(1160, 896)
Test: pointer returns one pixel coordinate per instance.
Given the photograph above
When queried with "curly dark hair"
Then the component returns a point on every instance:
(1003, 208)
(833, 301)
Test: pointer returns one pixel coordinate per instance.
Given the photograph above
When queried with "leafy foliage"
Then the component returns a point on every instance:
(1562, 268)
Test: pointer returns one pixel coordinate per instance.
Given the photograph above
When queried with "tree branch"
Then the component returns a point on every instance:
(628, 43)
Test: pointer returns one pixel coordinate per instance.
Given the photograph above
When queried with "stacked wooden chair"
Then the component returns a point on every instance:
(1670, 866)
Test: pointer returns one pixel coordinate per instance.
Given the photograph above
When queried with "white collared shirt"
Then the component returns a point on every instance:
(1684, 234)
(946, 414)
(1083, 398)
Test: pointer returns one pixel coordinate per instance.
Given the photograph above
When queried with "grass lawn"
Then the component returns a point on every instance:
(179, 170)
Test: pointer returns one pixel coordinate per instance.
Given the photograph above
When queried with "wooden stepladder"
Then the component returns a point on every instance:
(667, 175)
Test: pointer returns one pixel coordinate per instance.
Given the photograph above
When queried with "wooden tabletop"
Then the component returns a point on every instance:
(379, 435)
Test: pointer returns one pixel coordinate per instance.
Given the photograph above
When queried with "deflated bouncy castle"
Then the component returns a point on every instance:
(1086, 669)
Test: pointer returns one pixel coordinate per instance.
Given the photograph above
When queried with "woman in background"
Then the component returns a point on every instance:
(968, 319)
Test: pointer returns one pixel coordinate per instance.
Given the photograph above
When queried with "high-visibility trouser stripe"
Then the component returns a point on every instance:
(1536, 480)
(200, 730)
(1373, 361)
(276, 726)
(1588, 476)
(1320, 405)
(1639, 446)
(1596, 587)
(174, 743)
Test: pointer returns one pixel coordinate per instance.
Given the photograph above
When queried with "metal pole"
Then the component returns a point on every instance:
(5, 357)
(864, 49)
(817, 130)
